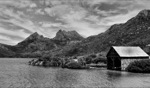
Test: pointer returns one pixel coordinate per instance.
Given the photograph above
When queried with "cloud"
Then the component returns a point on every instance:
(4, 37)
(82, 19)
(85, 28)
(19, 19)
(16, 24)
(58, 10)
(20, 33)
(48, 16)
(92, 18)
(16, 3)
(121, 18)
(50, 24)
(40, 11)
(33, 5)
(11, 37)
(75, 21)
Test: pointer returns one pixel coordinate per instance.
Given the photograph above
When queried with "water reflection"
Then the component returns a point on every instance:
(35, 76)
(66, 77)
(113, 76)
(15, 73)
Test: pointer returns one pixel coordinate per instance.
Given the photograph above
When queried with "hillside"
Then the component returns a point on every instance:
(135, 31)
(5, 52)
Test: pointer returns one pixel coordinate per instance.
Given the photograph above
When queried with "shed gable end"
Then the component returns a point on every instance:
(112, 53)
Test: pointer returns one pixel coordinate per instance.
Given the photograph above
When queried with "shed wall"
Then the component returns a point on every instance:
(113, 60)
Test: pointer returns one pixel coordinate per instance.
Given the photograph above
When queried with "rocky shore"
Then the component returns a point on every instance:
(36, 62)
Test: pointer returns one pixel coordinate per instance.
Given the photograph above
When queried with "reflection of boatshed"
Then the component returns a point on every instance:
(119, 57)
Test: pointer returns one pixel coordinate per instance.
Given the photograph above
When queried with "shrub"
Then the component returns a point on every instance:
(56, 61)
(88, 60)
(50, 61)
(74, 65)
(99, 59)
(142, 66)
(92, 56)
(46, 64)
(82, 61)
(46, 57)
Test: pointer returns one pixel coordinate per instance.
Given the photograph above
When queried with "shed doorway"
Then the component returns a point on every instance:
(117, 64)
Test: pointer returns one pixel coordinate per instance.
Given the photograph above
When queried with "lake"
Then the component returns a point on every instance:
(15, 72)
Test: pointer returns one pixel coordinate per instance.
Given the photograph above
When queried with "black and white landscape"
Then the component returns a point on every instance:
(74, 34)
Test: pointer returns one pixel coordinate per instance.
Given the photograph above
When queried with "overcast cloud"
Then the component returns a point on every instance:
(20, 18)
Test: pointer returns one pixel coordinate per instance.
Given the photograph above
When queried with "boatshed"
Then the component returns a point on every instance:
(119, 57)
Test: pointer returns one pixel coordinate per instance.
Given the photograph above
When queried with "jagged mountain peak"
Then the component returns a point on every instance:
(67, 32)
(35, 35)
(60, 31)
(144, 13)
(67, 35)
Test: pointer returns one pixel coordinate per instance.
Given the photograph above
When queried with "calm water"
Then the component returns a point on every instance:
(17, 73)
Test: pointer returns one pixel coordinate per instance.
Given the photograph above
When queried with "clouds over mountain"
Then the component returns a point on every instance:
(20, 18)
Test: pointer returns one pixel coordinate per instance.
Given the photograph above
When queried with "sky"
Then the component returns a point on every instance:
(21, 18)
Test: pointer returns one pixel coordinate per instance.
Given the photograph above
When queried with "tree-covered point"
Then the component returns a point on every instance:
(142, 66)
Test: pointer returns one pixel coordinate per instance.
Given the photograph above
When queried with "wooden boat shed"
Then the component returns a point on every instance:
(119, 57)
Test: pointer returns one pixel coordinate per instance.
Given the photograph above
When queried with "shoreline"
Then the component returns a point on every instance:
(43, 63)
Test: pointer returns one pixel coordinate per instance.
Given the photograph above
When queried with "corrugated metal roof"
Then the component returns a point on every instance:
(130, 51)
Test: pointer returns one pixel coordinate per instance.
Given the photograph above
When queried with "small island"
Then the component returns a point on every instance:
(80, 62)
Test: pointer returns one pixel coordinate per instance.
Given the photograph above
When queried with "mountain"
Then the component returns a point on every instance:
(35, 42)
(35, 45)
(135, 32)
(68, 36)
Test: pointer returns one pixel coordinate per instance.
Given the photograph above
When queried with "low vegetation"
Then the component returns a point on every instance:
(80, 62)
(142, 66)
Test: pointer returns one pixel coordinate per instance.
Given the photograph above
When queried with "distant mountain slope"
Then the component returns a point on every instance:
(5, 52)
(135, 31)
